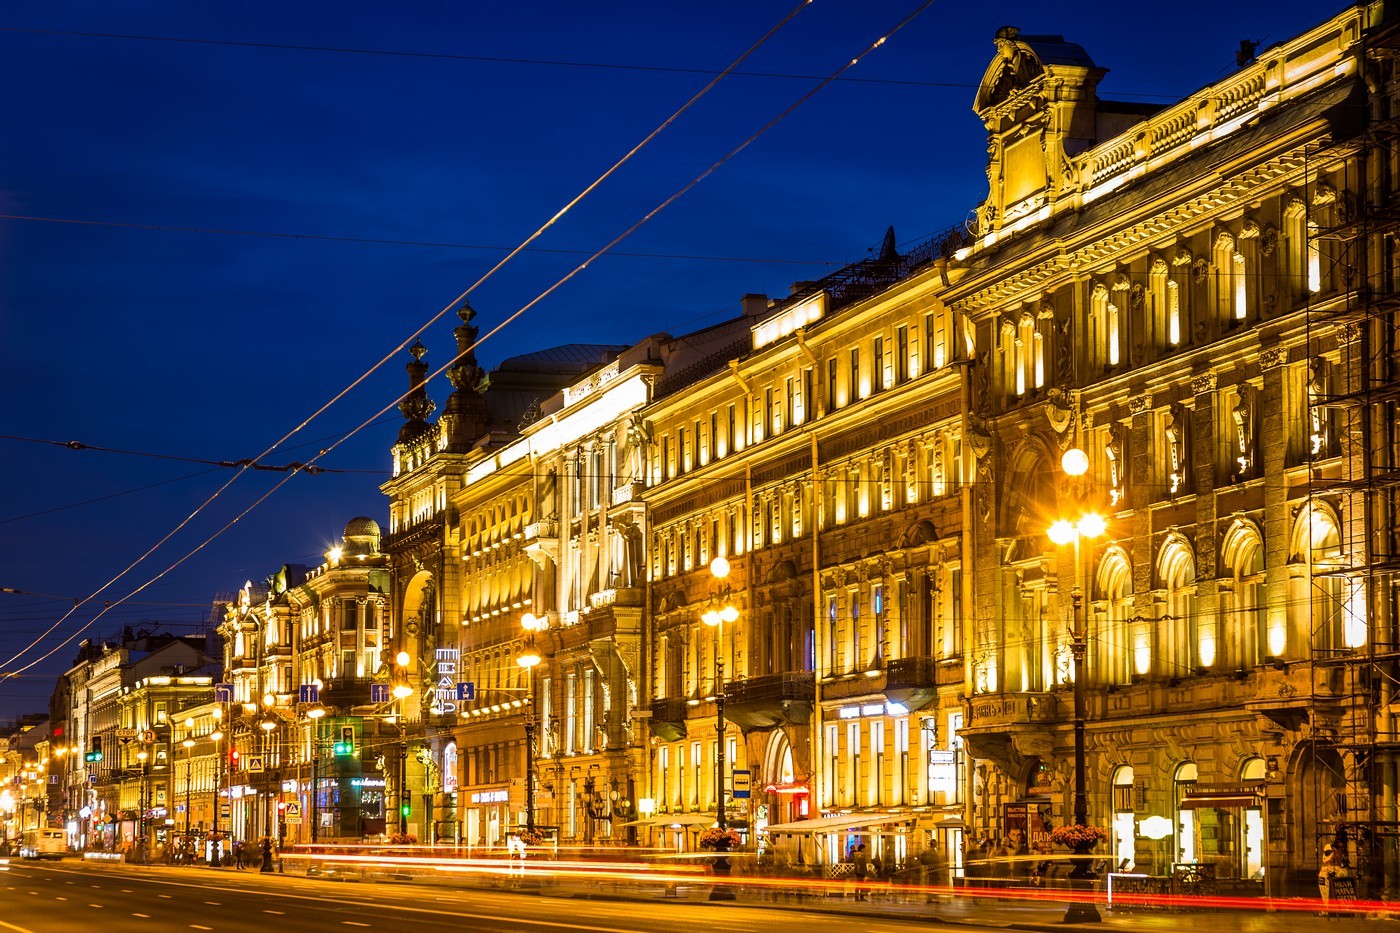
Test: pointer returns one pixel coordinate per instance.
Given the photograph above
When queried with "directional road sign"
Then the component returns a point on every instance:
(379, 693)
(223, 693)
(308, 693)
(467, 690)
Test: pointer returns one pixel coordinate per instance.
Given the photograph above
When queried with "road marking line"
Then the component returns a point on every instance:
(280, 913)
(60, 898)
(214, 903)
(195, 926)
(11, 926)
(352, 923)
(147, 916)
(166, 896)
(94, 905)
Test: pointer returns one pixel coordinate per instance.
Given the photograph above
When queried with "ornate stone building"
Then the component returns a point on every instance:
(1160, 289)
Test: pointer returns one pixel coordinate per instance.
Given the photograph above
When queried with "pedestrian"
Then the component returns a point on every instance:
(861, 861)
(239, 853)
(1332, 867)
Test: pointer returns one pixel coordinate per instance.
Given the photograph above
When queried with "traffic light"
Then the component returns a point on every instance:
(96, 753)
(281, 807)
(404, 810)
(346, 745)
(233, 759)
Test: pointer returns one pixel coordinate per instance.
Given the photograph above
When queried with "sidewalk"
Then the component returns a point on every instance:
(1040, 915)
(1037, 914)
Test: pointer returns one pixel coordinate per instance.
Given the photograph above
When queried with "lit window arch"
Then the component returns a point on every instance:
(1331, 607)
(1123, 650)
(1183, 782)
(1124, 817)
(1176, 575)
(1242, 564)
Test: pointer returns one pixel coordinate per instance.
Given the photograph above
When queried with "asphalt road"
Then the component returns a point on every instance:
(77, 897)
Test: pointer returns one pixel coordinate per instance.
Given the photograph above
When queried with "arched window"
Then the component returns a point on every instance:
(1251, 840)
(1116, 638)
(1104, 351)
(1183, 782)
(1184, 644)
(1242, 597)
(1225, 268)
(1296, 247)
(1335, 607)
(1124, 818)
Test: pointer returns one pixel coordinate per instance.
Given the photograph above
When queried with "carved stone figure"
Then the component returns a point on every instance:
(1243, 416)
(638, 445)
(1113, 450)
(1175, 431)
(1317, 418)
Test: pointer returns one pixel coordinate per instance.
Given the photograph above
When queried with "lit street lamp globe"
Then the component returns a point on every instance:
(1075, 462)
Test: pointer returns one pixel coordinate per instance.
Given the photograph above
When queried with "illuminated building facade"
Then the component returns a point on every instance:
(1195, 296)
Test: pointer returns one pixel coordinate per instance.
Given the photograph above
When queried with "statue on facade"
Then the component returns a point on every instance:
(1317, 418)
(639, 439)
(1243, 416)
(1175, 431)
(1113, 451)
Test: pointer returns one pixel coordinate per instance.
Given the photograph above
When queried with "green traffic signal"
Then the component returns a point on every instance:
(404, 810)
(344, 748)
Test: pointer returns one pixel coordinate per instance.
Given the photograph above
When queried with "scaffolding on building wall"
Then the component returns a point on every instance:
(1352, 387)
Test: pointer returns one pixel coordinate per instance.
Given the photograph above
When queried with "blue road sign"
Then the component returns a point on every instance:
(308, 693)
(223, 693)
(379, 693)
(742, 784)
(466, 690)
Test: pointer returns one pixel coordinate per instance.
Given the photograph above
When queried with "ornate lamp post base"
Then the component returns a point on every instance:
(721, 891)
(1082, 909)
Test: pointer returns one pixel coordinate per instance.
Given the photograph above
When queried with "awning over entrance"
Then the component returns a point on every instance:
(674, 819)
(830, 824)
(1221, 796)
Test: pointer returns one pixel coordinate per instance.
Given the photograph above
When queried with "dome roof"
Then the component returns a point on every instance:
(361, 537)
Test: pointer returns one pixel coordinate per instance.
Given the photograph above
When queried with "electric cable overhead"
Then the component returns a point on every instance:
(503, 60)
(272, 234)
(229, 464)
(387, 357)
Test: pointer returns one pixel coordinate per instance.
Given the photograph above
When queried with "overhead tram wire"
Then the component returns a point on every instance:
(380, 241)
(504, 60)
(695, 98)
(227, 464)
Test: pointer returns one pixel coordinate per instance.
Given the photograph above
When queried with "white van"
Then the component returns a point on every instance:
(43, 843)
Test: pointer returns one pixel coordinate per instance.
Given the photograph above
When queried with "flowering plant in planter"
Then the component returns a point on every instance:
(531, 838)
(403, 839)
(714, 837)
(1077, 835)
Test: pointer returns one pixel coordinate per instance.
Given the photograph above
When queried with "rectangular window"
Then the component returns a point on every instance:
(877, 365)
(856, 654)
(853, 389)
(587, 737)
(901, 353)
(730, 438)
(683, 442)
(831, 403)
(898, 791)
(833, 758)
(807, 407)
(955, 622)
(571, 715)
(668, 470)
(853, 763)
(716, 448)
(767, 413)
(700, 457)
(790, 402)
(833, 643)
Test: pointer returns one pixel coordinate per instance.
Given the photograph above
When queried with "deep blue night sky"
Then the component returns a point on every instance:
(210, 345)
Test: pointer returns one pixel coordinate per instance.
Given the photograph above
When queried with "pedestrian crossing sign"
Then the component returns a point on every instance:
(253, 764)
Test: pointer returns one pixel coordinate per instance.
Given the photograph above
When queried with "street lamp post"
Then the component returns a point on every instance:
(267, 724)
(216, 854)
(314, 714)
(1088, 525)
(529, 659)
(141, 756)
(402, 691)
(715, 617)
(189, 770)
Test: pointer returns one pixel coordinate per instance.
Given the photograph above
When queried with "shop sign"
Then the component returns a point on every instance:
(491, 796)
(366, 782)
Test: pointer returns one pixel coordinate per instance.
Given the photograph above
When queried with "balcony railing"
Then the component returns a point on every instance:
(1009, 709)
(790, 685)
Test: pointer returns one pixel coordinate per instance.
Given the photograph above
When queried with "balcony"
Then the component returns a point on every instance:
(770, 700)
(541, 541)
(911, 682)
(1011, 728)
(668, 718)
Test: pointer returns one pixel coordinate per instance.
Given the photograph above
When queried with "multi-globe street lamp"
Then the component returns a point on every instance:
(529, 659)
(720, 612)
(1087, 525)
(189, 771)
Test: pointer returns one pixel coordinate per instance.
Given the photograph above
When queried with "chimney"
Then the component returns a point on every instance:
(754, 305)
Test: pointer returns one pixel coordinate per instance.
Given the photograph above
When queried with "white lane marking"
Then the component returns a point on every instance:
(147, 916)
(95, 905)
(195, 926)
(60, 898)
(127, 891)
(352, 923)
(214, 903)
(280, 913)
(166, 896)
